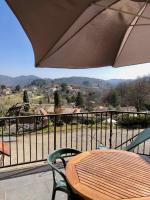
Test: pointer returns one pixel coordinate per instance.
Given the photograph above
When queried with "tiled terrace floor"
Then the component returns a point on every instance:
(25, 186)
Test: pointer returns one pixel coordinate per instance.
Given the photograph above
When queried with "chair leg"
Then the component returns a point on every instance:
(74, 197)
(53, 194)
(70, 198)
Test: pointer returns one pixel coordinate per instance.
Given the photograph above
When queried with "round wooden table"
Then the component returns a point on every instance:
(109, 175)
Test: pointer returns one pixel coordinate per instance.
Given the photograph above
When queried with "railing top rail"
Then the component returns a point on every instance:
(81, 113)
(49, 115)
(129, 112)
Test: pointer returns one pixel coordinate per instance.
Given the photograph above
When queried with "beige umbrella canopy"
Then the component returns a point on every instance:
(86, 33)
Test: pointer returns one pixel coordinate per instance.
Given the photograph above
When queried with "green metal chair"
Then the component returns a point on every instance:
(61, 184)
(137, 139)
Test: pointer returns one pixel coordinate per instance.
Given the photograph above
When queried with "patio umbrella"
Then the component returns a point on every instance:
(86, 33)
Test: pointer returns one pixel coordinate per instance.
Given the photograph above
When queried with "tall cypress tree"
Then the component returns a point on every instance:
(56, 99)
(26, 100)
(79, 99)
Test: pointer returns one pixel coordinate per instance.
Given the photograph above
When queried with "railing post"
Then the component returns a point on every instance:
(55, 118)
(111, 126)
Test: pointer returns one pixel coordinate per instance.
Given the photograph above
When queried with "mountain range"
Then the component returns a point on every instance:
(19, 80)
(27, 80)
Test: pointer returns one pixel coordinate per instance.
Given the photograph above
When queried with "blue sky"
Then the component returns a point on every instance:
(16, 55)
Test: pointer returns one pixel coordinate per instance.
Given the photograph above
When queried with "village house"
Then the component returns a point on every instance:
(7, 91)
(128, 109)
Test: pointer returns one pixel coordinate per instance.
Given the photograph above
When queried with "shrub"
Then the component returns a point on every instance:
(67, 118)
(139, 121)
(56, 120)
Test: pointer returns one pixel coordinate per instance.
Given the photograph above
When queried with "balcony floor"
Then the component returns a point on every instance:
(34, 183)
(24, 186)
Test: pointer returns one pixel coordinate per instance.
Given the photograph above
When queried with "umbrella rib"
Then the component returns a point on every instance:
(46, 54)
(141, 25)
(125, 12)
(136, 20)
(104, 8)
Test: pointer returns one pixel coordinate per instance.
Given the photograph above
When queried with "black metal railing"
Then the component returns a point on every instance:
(31, 138)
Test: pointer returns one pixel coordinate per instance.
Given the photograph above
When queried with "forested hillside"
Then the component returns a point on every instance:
(133, 93)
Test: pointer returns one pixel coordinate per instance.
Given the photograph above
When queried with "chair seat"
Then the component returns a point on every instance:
(61, 186)
(61, 183)
(101, 147)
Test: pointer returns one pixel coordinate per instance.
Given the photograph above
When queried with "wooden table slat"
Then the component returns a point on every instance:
(106, 158)
(126, 189)
(105, 188)
(109, 174)
(126, 174)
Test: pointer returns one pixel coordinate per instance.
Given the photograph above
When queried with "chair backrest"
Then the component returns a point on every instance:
(141, 137)
(60, 154)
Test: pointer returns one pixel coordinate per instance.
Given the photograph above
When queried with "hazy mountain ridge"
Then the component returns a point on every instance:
(116, 82)
(27, 80)
(19, 80)
(80, 81)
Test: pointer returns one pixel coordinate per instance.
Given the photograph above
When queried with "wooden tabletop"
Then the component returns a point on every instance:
(109, 175)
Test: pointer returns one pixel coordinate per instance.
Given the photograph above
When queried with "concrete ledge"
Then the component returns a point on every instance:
(24, 171)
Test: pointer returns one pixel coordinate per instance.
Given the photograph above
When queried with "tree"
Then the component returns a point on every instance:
(48, 98)
(26, 101)
(79, 99)
(131, 93)
(17, 88)
(86, 83)
(122, 90)
(113, 98)
(56, 99)
(25, 97)
(68, 99)
(57, 105)
(64, 87)
(40, 102)
(73, 98)
(39, 82)
(3, 87)
(139, 93)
